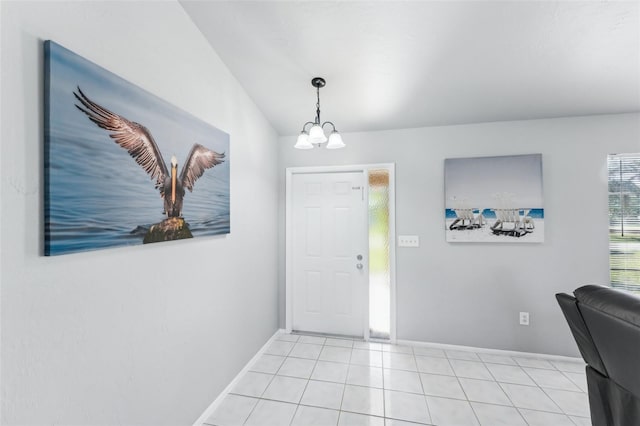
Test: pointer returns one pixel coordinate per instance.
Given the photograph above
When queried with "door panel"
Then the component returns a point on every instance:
(343, 291)
(313, 291)
(342, 247)
(329, 232)
(314, 233)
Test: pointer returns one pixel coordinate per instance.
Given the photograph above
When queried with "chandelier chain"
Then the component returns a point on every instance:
(318, 105)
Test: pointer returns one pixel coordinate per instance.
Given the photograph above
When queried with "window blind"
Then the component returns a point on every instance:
(624, 220)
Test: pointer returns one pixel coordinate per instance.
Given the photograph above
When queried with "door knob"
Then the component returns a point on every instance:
(359, 266)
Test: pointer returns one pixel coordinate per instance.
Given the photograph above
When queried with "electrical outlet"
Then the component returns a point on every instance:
(524, 318)
(408, 241)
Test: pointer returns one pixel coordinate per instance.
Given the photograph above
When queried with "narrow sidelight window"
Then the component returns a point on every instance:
(379, 255)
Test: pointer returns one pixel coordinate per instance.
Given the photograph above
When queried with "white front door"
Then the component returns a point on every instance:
(330, 247)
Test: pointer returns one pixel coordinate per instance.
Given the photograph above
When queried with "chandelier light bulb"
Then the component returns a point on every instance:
(316, 135)
(303, 141)
(335, 141)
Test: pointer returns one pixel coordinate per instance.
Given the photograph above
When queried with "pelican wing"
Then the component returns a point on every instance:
(133, 137)
(199, 159)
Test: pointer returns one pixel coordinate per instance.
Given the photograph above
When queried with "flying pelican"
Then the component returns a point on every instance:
(137, 140)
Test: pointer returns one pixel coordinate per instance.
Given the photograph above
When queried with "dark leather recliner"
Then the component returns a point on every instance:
(606, 325)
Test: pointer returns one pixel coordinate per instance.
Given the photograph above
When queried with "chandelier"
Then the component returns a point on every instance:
(315, 136)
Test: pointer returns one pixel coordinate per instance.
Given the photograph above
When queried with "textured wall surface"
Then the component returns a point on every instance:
(470, 294)
(145, 334)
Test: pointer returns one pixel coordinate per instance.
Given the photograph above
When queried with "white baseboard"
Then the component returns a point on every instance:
(489, 351)
(209, 411)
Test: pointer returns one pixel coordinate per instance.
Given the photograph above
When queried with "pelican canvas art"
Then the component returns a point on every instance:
(494, 199)
(124, 167)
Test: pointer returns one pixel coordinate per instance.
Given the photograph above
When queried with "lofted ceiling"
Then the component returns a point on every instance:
(391, 64)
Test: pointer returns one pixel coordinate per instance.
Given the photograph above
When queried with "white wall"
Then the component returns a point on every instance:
(470, 294)
(146, 334)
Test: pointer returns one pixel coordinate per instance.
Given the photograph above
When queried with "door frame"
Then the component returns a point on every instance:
(364, 168)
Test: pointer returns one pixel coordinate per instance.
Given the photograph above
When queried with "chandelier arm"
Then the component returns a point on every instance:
(329, 122)
(305, 125)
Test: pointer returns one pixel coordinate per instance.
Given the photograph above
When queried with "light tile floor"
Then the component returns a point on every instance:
(313, 380)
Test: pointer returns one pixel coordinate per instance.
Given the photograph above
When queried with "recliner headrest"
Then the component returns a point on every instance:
(617, 303)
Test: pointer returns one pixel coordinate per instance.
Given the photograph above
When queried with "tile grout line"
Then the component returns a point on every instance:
(344, 388)
(208, 412)
(268, 384)
(424, 394)
(343, 385)
(573, 381)
(462, 387)
(543, 391)
(521, 415)
(502, 389)
(308, 380)
(499, 387)
(552, 388)
(554, 401)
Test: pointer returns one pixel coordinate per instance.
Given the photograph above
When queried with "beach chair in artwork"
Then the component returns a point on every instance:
(466, 219)
(508, 223)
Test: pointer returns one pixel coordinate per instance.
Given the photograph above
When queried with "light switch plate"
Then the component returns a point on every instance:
(408, 241)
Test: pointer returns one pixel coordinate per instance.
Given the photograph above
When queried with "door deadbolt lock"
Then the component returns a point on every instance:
(359, 257)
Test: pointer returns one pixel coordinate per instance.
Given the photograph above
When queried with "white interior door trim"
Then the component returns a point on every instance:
(290, 171)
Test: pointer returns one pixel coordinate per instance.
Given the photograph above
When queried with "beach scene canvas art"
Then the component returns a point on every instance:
(124, 167)
(494, 199)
